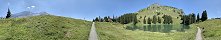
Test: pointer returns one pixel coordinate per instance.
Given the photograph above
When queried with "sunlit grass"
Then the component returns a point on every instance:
(44, 27)
(212, 29)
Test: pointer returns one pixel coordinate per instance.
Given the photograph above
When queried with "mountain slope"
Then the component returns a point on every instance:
(156, 9)
(44, 27)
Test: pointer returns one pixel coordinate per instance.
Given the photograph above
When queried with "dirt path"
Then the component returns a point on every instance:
(93, 33)
(198, 34)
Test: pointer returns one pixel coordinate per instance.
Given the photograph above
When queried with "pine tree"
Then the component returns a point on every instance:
(204, 16)
(127, 18)
(93, 20)
(144, 21)
(114, 19)
(159, 20)
(167, 19)
(198, 18)
(134, 19)
(149, 20)
(8, 13)
(154, 19)
(170, 20)
(96, 19)
(105, 19)
(193, 18)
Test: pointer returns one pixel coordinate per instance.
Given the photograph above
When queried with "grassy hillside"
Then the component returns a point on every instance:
(212, 29)
(111, 31)
(116, 31)
(44, 27)
(156, 9)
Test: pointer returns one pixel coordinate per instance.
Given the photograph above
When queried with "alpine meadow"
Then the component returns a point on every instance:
(110, 20)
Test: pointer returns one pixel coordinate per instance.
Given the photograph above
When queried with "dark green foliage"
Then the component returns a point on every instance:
(149, 20)
(198, 18)
(8, 14)
(193, 18)
(127, 18)
(106, 19)
(123, 19)
(188, 19)
(93, 20)
(97, 19)
(185, 19)
(144, 20)
(134, 19)
(204, 16)
(114, 19)
(158, 13)
(167, 19)
(154, 19)
(159, 20)
(101, 20)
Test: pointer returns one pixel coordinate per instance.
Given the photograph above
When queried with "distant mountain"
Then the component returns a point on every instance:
(27, 14)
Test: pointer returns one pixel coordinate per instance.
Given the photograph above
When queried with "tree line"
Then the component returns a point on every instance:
(123, 19)
(191, 18)
(157, 19)
(132, 17)
(165, 19)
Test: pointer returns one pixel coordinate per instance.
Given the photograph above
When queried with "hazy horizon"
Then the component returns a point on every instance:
(89, 9)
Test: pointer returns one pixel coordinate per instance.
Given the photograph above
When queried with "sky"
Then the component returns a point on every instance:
(89, 9)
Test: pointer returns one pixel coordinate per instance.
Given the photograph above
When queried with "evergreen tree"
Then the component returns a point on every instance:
(167, 19)
(101, 20)
(198, 18)
(188, 19)
(185, 19)
(149, 20)
(154, 19)
(105, 19)
(134, 19)
(127, 18)
(93, 20)
(204, 16)
(97, 19)
(8, 13)
(193, 18)
(114, 19)
(170, 20)
(144, 21)
(159, 20)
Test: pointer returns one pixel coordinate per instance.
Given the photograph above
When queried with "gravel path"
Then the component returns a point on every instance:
(93, 33)
(198, 35)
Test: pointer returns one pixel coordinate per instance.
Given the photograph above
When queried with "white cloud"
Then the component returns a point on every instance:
(28, 7)
(33, 6)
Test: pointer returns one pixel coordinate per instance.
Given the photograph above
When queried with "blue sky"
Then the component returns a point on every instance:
(90, 9)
